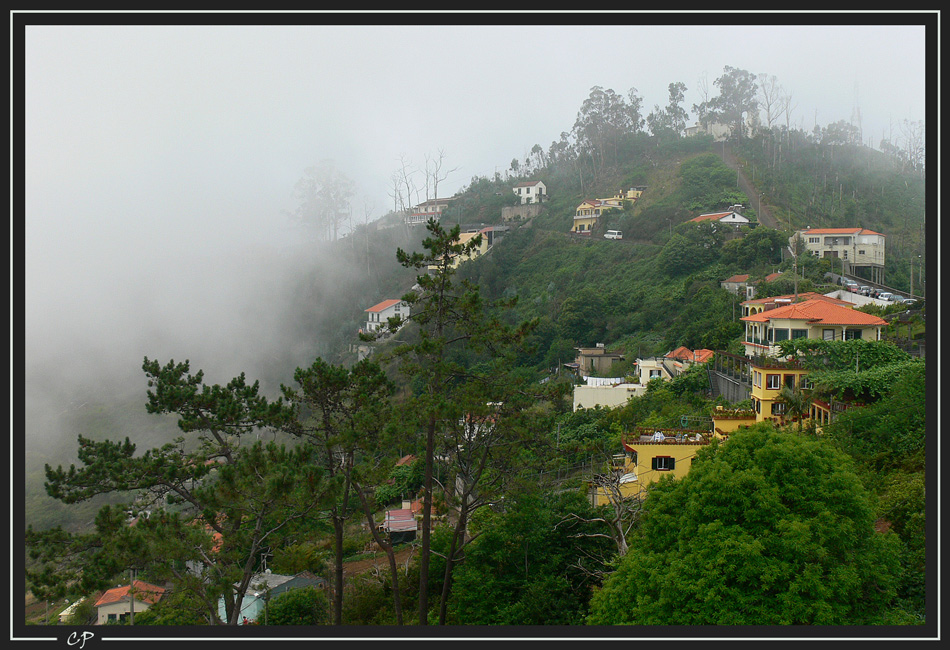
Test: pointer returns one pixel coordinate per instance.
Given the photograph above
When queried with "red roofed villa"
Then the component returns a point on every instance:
(116, 605)
(817, 318)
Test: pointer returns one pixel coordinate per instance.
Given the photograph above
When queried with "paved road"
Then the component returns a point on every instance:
(762, 210)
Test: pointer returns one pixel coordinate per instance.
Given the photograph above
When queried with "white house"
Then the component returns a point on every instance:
(531, 192)
(378, 315)
(855, 247)
(115, 604)
(606, 394)
(730, 216)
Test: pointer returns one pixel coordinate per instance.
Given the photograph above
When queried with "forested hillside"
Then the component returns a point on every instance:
(824, 529)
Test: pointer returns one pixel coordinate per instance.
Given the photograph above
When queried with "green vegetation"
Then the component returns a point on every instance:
(770, 527)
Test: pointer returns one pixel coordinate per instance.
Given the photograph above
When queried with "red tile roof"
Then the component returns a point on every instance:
(817, 311)
(386, 304)
(713, 216)
(840, 231)
(803, 296)
(742, 277)
(144, 592)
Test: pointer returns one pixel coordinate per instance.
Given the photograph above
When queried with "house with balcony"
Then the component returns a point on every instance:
(430, 209)
(815, 318)
(531, 192)
(850, 249)
(589, 211)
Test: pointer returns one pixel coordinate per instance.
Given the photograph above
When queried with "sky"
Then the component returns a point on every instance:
(160, 158)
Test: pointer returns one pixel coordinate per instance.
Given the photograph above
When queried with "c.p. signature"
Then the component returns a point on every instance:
(80, 638)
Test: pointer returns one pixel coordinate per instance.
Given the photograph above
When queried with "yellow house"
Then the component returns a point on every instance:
(769, 376)
(649, 454)
(726, 421)
(590, 210)
(464, 238)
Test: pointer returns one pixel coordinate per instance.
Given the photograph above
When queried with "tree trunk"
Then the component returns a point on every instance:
(426, 525)
(388, 549)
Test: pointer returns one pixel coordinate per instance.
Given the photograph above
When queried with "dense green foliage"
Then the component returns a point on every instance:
(305, 606)
(531, 564)
(766, 529)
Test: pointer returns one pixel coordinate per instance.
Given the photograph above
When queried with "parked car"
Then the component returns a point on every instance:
(885, 295)
(613, 234)
(864, 290)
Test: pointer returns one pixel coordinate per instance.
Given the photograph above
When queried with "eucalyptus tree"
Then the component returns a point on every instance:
(207, 504)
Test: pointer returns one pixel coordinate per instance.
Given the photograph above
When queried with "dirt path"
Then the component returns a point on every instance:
(380, 562)
(762, 210)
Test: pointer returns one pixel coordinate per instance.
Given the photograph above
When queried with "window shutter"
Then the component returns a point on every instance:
(672, 462)
(653, 461)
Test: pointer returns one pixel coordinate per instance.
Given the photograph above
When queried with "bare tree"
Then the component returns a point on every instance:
(434, 171)
(770, 93)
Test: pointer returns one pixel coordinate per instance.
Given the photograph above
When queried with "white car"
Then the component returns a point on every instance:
(887, 295)
(613, 234)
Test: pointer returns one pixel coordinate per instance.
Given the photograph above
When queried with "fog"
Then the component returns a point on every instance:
(160, 161)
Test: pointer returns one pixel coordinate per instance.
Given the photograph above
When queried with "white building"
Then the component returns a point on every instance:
(531, 192)
(378, 315)
(855, 247)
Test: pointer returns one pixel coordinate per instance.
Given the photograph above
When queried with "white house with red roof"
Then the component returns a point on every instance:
(116, 604)
(379, 314)
(855, 247)
(816, 318)
(730, 216)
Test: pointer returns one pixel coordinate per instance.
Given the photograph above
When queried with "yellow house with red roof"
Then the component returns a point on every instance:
(589, 211)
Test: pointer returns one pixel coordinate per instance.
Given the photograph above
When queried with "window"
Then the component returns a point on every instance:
(852, 334)
(805, 383)
(778, 408)
(780, 334)
(828, 334)
(773, 382)
(663, 463)
(862, 252)
(813, 240)
(790, 381)
(111, 617)
(654, 374)
(799, 334)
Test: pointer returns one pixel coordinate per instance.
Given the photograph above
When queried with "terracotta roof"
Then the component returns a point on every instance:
(144, 592)
(840, 231)
(805, 295)
(817, 311)
(386, 304)
(703, 355)
(742, 277)
(712, 216)
(405, 460)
